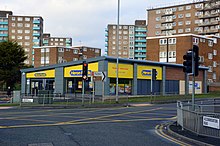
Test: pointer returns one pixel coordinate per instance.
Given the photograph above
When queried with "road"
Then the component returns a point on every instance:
(124, 126)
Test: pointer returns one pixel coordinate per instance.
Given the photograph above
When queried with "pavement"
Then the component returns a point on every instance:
(173, 132)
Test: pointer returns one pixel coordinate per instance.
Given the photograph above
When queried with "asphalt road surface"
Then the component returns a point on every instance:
(124, 126)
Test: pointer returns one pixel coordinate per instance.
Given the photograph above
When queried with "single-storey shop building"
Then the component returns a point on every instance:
(134, 78)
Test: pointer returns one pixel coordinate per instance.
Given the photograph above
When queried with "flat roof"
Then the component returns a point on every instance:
(110, 59)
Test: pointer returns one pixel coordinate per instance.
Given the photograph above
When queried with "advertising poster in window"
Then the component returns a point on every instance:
(80, 84)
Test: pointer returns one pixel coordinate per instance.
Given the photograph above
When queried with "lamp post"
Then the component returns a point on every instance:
(117, 46)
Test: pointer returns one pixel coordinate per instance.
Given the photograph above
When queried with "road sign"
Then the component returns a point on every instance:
(98, 76)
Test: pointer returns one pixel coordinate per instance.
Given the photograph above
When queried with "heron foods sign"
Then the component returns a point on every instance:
(76, 71)
(144, 72)
(41, 74)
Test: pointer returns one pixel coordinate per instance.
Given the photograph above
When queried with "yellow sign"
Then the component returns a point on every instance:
(144, 72)
(76, 71)
(41, 74)
(124, 70)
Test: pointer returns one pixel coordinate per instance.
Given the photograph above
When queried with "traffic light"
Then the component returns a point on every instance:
(85, 70)
(154, 74)
(196, 59)
(187, 63)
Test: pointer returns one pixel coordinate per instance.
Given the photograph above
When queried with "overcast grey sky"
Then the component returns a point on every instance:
(83, 20)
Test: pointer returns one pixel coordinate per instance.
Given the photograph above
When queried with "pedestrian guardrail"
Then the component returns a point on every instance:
(202, 118)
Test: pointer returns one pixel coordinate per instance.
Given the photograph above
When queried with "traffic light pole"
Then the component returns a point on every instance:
(193, 81)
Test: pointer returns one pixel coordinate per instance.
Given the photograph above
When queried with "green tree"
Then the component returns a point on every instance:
(12, 57)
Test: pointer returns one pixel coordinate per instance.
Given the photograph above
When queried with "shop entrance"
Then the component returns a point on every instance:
(124, 86)
(41, 84)
(74, 85)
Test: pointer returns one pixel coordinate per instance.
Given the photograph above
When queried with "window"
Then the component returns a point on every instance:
(19, 31)
(188, 15)
(157, 26)
(125, 32)
(188, 7)
(125, 37)
(20, 19)
(180, 16)
(19, 37)
(27, 19)
(67, 49)
(27, 37)
(210, 56)
(114, 27)
(61, 39)
(84, 49)
(12, 31)
(210, 43)
(113, 32)
(174, 16)
(113, 52)
(158, 12)
(180, 8)
(27, 31)
(163, 41)
(172, 40)
(120, 27)
(180, 23)
(75, 51)
(13, 24)
(20, 24)
(180, 30)
(61, 44)
(113, 48)
(195, 41)
(214, 52)
(125, 27)
(75, 59)
(214, 64)
(13, 18)
(214, 76)
(188, 22)
(174, 9)
(188, 30)
(44, 60)
(27, 44)
(13, 37)
(210, 68)
(20, 43)
(157, 18)
(61, 50)
(96, 50)
(26, 49)
(27, 25)
(56, 39)
(198, 6)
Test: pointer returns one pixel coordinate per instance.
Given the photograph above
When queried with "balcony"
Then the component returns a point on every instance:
(2, 28)
(36, 34)
(68, 41)
(106, 34)
(208, 23)
(140, 30)
(140, 51)
(140, 45)
(106, 40)
(208, 16)
(167, 13)
(140, 56)
(166, 27)
(36, 21)
(4, 22)
(141, 41)
(36, 28)
(140, 35)
(36, 40)
(45, 42)
(106, 45)
(166, 20)
(106, 29)
(3, 35)
(209, 31)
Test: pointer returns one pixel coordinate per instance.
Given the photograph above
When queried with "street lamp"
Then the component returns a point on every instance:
(117, 46)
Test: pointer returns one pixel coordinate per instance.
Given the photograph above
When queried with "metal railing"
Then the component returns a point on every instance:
(191, 117)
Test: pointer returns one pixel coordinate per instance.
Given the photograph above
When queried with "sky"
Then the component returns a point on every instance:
(83, 20)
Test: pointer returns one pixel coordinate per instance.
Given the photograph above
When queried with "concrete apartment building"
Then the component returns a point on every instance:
(197, 17)
(132, 40)
(48, 55)
(4, 25)
(178, 45)
(28, 32)
(56, 41)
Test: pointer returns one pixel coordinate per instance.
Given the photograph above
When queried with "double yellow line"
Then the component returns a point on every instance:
(159, 131)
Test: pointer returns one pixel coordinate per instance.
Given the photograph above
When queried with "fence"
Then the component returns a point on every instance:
(203, 118)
